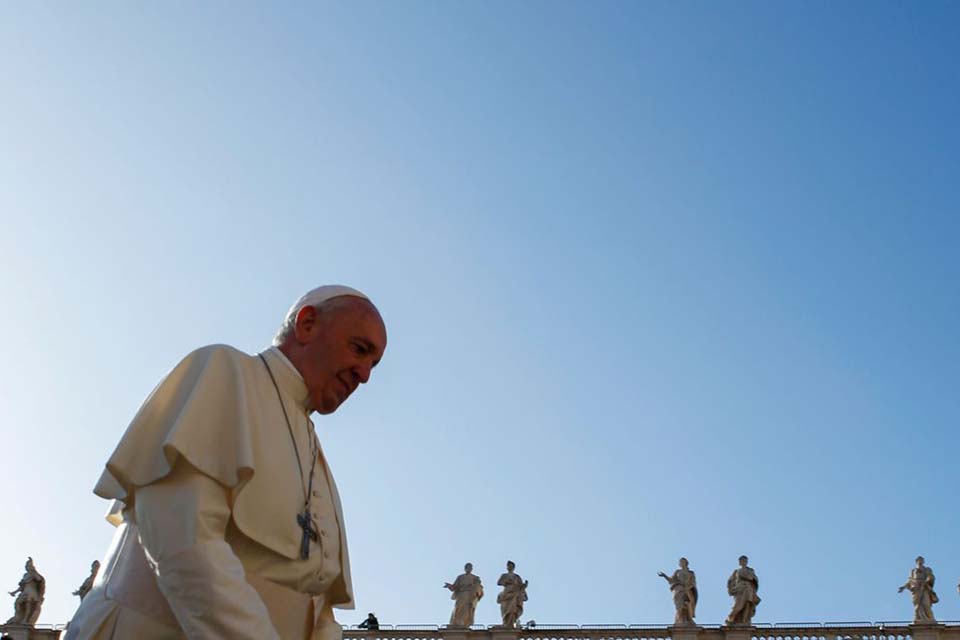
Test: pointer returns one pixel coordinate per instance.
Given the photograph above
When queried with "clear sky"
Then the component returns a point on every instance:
(661, 279)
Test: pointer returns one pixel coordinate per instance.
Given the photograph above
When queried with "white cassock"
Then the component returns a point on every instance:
(207, 492)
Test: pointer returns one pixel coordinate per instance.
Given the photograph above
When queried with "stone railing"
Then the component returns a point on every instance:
(780, 631)
(783, 631)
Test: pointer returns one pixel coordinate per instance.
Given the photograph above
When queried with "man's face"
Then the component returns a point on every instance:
(467, 568)
(337, 348)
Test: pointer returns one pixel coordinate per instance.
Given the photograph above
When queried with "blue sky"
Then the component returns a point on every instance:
(661, 279)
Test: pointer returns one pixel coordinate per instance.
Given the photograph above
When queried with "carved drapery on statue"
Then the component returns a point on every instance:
(920, 584)
(29, 594)
(743, 586)
(683, 584)
(87, 585)
(466, 593)
(512, 597)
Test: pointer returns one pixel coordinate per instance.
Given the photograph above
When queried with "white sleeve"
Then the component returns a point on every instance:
(182, 520)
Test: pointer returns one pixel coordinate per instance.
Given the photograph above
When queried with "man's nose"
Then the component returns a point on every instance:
(362, 371)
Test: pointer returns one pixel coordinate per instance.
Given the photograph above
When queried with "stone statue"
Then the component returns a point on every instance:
(743, 585)
(512, 597)
(920, 584)
(31, 589)
(467, 591)
(84, 588)
(683, 584)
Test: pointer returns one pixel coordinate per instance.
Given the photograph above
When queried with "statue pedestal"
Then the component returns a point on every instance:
(454, 633)
(26, 632)
(504, 633)
(925, 630)
(684, 632)
(17, 631)
(738, 632)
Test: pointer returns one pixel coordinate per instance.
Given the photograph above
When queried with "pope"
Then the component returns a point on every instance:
(228, 520)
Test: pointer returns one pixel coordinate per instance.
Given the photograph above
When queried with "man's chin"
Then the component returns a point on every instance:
(327, 406)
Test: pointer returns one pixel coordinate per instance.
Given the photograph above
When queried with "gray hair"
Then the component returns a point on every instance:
(285, 332)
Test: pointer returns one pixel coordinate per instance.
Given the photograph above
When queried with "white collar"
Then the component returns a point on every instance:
(288, 378)
(285, 360)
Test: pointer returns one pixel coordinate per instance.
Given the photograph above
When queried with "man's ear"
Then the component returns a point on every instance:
(305, 324)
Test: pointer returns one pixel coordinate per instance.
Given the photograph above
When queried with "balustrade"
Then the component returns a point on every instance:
(897, 630)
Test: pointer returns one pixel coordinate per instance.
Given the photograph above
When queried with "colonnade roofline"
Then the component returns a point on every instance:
(758, 625)
(880, 630)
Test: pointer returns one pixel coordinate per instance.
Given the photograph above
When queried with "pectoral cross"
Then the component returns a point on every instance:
(309, 533)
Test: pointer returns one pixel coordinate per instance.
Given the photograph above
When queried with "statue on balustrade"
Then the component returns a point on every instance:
(467, 591)
(743, 586)
(920, 585)
(683, 584)
(29, 594)
(84, 588)
(512, 597)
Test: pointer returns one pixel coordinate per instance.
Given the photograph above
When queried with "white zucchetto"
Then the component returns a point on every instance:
(319, 296)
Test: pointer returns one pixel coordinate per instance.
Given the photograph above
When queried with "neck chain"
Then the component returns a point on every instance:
(304, 519)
